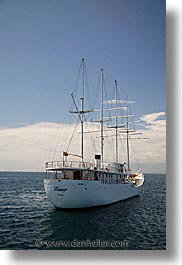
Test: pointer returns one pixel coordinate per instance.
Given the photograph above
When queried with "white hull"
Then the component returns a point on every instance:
(86, 193)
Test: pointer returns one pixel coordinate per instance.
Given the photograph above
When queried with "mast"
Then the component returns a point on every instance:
(81, 111)
(102, 116)
(116, 98)
(127, 140)
(82, 105)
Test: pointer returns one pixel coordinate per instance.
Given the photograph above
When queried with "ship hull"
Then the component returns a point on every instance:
(82, 194)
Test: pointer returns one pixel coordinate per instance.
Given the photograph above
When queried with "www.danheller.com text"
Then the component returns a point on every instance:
(98, 243)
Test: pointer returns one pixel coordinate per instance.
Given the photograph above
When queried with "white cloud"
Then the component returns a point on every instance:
(153, 151)
(29, 147)
(152, 119)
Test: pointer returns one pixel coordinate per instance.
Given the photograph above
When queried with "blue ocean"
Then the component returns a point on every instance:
(29, 221)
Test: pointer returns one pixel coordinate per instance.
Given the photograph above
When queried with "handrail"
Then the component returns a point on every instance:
(68, 164)
(51, 165)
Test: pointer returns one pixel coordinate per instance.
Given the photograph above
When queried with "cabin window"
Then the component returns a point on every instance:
(102, 177)
(96, 176)
(77, 174)
(50, 174)
(116, 179)
(110, 178)
(58, 175)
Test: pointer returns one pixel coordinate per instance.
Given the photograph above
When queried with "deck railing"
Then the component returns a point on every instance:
(80, 165)
(68, 164)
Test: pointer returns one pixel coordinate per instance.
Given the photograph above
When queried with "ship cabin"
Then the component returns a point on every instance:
(108, 173)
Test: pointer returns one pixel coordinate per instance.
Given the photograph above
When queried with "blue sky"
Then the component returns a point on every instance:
(42, 43)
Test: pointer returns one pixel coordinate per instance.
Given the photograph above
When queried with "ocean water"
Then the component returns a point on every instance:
(29, 221)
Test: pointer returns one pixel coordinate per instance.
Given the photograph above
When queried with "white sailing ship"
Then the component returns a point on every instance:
(79, 183)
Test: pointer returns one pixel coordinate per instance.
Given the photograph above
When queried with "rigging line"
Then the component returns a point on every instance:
(89, 150)
(77, 80)
(94, 96)
(113, 96)
(93, 144)
(90, 145)
(58, 136)
(93, 64)
(73, 101)
(60, 133)
(89, 88)
(91, 136)
(66, 132)
(106, 99)
(110, 144)
(134, 153)
(70, 104)
(113, 92)
(128, 106)
(123, 150)
(125, 95)
(97, 92)
(90, 100)
(56, 142)
(71, 138)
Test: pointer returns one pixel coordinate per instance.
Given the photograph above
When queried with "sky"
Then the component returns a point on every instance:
(41, 46)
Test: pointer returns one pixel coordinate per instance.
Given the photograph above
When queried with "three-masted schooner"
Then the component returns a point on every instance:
(79, 184)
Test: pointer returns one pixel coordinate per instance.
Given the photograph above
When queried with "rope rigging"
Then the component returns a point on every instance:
(93, 96)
